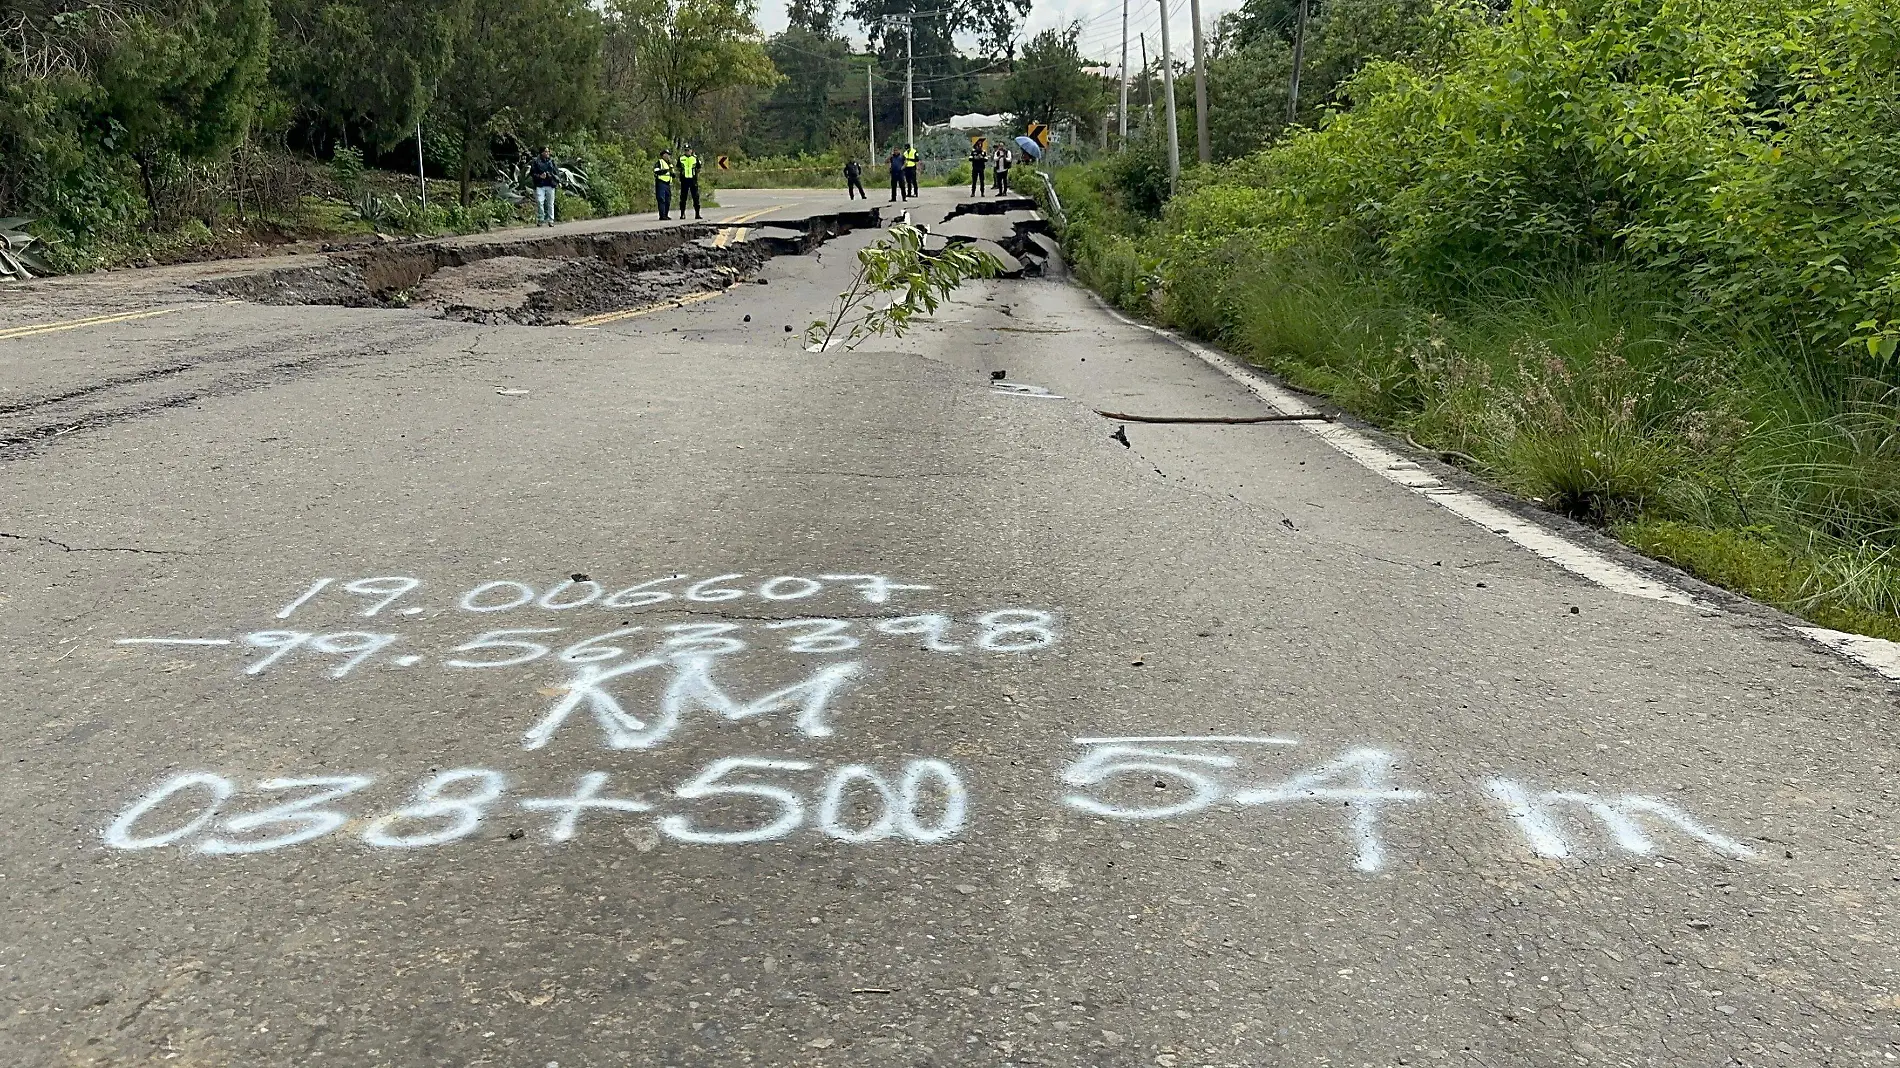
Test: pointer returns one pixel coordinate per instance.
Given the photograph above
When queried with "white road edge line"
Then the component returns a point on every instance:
(1878, 654)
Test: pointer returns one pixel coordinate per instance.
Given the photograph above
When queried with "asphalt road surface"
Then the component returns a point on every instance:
(382, 689)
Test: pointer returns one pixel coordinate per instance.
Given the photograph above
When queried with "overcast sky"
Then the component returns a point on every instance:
(1101, 23)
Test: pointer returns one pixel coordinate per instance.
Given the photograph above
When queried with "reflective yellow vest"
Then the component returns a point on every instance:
(910, 157)
(662, 171)
(689, 166)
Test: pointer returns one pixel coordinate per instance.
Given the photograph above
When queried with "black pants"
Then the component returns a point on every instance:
(899, 185)
(854, 188)
(689, 187)
(910, 179)
(1002, 182)
(976, 181)
(663, 193)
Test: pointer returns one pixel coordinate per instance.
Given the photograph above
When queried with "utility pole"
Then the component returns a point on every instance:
(1122, 112)
(1167, 92)
(422, 176)
(1147, 86)
(910, 84)
(870, 110)
(1200, 88)
(1299, 48)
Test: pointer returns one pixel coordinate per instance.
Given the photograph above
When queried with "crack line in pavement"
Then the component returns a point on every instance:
(63, 547)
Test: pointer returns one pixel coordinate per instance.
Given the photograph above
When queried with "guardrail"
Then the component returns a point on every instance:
(1055, 202)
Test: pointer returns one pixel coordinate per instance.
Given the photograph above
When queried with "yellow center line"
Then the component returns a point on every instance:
(635, 313)
(729, 235)
(75, 324)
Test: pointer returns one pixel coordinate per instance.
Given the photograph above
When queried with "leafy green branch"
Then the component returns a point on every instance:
(916, 281)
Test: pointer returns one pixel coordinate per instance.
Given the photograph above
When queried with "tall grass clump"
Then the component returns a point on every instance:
(1638, 260)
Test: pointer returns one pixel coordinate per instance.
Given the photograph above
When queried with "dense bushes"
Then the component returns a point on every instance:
(1639, 259)
(1753, 146)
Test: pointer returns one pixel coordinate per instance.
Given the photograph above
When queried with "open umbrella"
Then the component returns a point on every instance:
(1030, 146)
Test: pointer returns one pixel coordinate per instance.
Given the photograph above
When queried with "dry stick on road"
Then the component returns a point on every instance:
(918, 282)
(1315, 417)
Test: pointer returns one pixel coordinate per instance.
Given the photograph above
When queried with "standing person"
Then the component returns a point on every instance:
(663, 181)
(979, 159)
(546, 177)
(899, 184)
(689, 180)
(854, 180)
(1002, 172)
(910, 169)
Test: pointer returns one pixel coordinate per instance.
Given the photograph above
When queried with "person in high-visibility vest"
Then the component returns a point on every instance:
(689, 180)
(663, 182)
(910, 169)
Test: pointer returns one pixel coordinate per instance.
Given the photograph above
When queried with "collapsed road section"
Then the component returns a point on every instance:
(1008, 228)
(548, 280)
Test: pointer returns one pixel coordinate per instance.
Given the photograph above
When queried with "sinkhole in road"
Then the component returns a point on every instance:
(546, 280)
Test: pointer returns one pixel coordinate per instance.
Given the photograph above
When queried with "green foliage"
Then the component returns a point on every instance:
(183, 79)
(683, 52)
(914, 281)
(1854, 592)
(813, 64)
(1049, 85)
(820, 171)
(992, 22)
(1246, 95)
(528, 69)
(1749, 145)
(363, 67)
(1638, 260)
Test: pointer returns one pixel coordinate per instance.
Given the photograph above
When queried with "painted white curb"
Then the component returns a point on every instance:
(1879, 654)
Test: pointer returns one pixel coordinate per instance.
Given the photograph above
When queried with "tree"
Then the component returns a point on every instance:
(1258, 20)
(1049, 83)
(684, 51)
(937, 22)
(366, 68)
(523, 68)
(180, 79)
(1246, 95)
(813, 65)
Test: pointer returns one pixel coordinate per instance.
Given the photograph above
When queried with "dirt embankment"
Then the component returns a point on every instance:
(538, 281)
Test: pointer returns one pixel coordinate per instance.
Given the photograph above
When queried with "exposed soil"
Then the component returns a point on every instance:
(539, 280)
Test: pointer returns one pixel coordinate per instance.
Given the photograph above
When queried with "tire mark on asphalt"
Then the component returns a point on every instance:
(254, 369)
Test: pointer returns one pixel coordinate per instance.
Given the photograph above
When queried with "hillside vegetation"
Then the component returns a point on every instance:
(133, 130)
(1638, 260)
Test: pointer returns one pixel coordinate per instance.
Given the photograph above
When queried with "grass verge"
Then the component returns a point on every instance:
(1596, 392)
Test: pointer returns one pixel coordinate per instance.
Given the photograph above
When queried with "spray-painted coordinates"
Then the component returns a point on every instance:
(634, 687)
(923, 802)
(373, 596)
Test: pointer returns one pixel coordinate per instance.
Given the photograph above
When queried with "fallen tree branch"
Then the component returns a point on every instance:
(1315, 417)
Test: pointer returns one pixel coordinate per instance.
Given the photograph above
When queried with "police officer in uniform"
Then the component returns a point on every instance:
(689, 180)
(663, 182)
(899, 184)
(910, 169)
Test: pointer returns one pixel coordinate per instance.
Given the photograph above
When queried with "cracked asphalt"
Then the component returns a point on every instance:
(389, 690)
